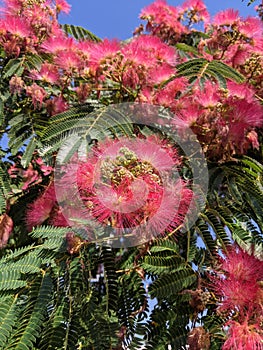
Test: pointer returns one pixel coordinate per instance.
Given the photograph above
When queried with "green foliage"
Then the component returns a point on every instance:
(87, 123)
(200, 69)
(79, 33)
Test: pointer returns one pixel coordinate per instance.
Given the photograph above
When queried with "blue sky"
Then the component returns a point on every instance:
(118, 18)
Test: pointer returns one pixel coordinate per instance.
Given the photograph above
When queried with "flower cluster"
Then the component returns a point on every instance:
(128, 184)
(143, 69)
(238, 285)
(33, 174)
(45, 209)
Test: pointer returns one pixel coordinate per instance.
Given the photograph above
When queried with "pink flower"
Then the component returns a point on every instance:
(12, 7)
(163, 21)
(37, 93)
(149, 50)
(57, 105)
(226, 18)
(40, 210)
(251, 27)
(56, 44)
(197, 10)
(63, 6)
(16, 26)
(16, 85)
(237, 283)
(105, 50)
(68, 60)
(243, 336)
(209, 96)
(48, 73)
(242, 266)
(123, 183)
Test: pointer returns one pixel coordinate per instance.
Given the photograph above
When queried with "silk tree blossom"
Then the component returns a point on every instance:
(48, 73)
(45, 209)
(63, 6)
(243, 336)
(37, 93)
(15, 26)
(132, 65)
(221, 119)
(163, 21)
(251, 28)
(57, 44)
(56, 104)
(227, 17)
(237, 284)
(39, 211)
(69, 61)
(196, 11)
(125, 184)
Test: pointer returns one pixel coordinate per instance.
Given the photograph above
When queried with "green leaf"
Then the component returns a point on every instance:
(79, 33)
(11, 280)
(170, 284)
(8, 318)
(198, 68)
(32, 318)
(27, 156)
(186, 48)
(13, 67)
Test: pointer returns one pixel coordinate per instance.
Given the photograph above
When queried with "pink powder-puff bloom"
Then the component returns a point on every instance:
(242, 116)
(236, 294)
(252, 138)
(30, 176)
(243, 336)
(187, 116)
(158, 75)
(57, 105)
(197, 9)
(12, 7)
(237, 54)
(39, 211)
(106, 49)
(241, 91)
(16, 26)
(159, 10)
(251, 27)
(150, 50)
(126, 185)
(84, 48)
(68, 60)
(56, 44)
(163, 20)
(209, 96)
(48, 73)
(237, 282)
(167, 96)
(242, 266)
(227, 17)
(63, 6)
(38, 17)
(16, 85)
(37, 94)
